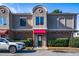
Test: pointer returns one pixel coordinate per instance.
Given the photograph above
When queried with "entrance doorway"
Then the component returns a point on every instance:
(39, 37)
(39, 40)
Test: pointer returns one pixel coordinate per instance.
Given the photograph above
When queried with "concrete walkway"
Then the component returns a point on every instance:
(67, 49)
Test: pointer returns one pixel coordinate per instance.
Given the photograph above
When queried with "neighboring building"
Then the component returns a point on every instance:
(39, 25)
(76, 33)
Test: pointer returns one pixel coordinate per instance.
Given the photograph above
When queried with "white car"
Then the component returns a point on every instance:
(8, 44)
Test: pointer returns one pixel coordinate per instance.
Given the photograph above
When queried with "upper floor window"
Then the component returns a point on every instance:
(39, 20)
(22, 22)
(2, 21)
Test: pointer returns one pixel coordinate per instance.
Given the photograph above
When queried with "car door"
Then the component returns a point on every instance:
(3, 44)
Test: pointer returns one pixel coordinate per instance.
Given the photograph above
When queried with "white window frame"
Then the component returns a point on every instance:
(39, 20)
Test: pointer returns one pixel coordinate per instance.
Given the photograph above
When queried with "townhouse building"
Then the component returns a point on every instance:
(38, 25)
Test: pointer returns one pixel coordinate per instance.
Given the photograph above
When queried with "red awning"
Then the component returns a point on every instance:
(2, 31)
(40, 32)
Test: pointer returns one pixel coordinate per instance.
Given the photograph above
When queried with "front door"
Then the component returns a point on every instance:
(39, 38)
(38, 41)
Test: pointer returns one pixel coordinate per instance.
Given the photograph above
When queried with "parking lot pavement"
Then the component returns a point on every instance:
(39, 53)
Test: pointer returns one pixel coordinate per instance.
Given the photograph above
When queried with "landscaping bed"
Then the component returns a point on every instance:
(58, 42)
(63, 42)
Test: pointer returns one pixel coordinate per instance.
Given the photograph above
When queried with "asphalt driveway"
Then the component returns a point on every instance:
(39, 53)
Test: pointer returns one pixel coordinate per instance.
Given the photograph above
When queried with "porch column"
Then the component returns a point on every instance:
(44, 41)
(35, 41)
(33, 38)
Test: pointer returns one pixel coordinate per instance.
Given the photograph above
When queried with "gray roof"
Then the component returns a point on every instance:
(62, 13)
(22, 13)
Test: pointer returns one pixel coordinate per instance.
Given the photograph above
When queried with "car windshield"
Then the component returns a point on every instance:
(10, 40)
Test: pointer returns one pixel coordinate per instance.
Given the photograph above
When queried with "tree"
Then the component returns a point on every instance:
(57, 11)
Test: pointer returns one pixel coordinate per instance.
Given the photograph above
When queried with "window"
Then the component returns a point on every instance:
(22, 22)
(2, 21)
(77, 33)
(37, 20)
(61, 23)
(2, 40)
(41, 20)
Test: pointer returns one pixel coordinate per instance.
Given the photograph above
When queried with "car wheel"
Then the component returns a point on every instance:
(12, 49)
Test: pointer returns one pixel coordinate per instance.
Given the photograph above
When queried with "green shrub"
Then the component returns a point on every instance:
(62, 42)
(74, 42)
(51, 42)
(58, 42)
(28, 42)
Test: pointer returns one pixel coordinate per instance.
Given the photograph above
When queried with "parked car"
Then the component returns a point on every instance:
(10, 45)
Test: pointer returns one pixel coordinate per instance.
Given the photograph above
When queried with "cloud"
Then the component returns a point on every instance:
(18, 8)
(13, 10)
(1, 4)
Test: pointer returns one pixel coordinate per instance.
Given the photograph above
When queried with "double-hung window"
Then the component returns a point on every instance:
(39, 20)
(22, 22)
(2, 20)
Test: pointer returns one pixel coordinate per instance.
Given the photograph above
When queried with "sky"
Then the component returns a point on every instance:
(27, 8)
